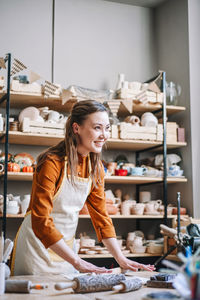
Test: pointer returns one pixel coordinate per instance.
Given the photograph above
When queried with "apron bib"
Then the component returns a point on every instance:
(29, 254)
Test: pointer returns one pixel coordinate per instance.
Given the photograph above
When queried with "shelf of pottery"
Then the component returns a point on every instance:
(134, 127)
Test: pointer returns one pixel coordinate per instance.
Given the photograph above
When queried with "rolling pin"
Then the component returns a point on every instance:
(128, 285)
(22, 286)
(91, 283)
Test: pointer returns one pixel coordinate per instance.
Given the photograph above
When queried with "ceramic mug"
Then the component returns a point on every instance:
(55, 116)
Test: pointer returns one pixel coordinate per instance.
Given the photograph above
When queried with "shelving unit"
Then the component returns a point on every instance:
(21, 100)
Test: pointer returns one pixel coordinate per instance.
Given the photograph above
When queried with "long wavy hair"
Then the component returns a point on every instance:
(68, 147)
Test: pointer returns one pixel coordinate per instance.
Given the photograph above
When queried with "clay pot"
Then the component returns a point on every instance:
(111, 209)
(138, 209)
(182, 211)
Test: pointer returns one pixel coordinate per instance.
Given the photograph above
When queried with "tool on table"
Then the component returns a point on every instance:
(92, 283)
(23, 286)
(161, 296)
(161, 280)
(128, 285)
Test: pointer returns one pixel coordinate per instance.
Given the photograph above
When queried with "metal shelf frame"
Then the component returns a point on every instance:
(162, 76)
(6, 97)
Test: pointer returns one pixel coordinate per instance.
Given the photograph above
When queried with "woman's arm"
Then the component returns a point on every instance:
(64, 251)
(125, 263)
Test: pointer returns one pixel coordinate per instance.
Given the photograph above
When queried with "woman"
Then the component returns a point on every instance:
(66, 176)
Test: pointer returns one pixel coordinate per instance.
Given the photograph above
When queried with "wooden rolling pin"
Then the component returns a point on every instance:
(128, 285)
(23, 286)
(92, 283)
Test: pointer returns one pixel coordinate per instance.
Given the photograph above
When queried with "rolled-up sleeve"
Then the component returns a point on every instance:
(97, 208)
(43, 190)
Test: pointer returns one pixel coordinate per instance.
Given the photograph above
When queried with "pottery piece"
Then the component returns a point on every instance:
(138, 249)
(30, 112)
(55, 117)
(144, 196)
(149, 120)
(154, 248)
(86, 243)
(138, 209)
(25, 203)
(121, 172)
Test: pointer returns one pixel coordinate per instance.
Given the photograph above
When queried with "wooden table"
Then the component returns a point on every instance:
(52, 294)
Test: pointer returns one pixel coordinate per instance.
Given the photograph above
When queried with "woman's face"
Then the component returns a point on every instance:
(93, 133)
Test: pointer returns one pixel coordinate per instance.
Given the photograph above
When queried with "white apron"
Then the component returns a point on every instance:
(29, 254)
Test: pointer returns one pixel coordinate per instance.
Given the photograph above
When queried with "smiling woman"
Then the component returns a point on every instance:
(67, 176)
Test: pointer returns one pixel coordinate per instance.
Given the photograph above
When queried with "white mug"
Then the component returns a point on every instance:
(55, 116)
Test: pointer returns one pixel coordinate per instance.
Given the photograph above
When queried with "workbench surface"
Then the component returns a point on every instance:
(50, 293)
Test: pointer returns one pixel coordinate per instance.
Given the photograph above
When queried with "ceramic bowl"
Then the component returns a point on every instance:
(121, 172)
(138, 249)
(154, 248)
(12, 210)
(87, 243)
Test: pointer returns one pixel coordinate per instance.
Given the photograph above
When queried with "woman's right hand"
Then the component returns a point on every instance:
(86, 267)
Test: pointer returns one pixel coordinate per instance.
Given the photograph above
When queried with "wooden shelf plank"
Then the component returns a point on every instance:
(21, 100)
(133, 217)
(13, 216)
(21, 138)
(141, 179)
(22, 176)
(112, 216)
(109, 255)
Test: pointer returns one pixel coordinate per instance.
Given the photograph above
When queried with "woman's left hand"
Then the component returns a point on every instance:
(132, 265)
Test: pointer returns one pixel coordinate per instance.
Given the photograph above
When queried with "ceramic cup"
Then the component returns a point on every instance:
(138, 209)
(54, 116)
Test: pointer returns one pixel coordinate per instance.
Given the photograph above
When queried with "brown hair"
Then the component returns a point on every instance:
(68, 147)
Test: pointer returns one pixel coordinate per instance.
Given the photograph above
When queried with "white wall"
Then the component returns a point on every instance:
(194, 56)
(96, 40)
(25, 32)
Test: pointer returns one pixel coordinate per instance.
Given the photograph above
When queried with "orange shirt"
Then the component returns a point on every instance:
(46, 183)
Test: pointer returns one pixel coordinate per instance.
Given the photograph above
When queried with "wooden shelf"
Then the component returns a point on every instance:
(19, 176)
(13, 216)
(109, 255)
(138, 144)
(141, 179)
(21, 138)
(22, 100)
(22, 176)
(133, 217)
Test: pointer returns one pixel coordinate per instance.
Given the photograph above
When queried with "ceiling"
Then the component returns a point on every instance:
(144, 3)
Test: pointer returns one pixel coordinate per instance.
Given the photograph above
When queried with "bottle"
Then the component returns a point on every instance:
(1, 122)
